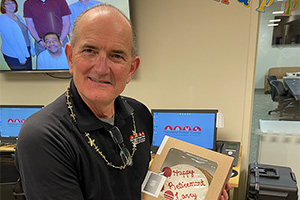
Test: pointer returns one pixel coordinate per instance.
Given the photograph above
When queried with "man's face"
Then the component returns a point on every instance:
(100, 60)
(52, 43)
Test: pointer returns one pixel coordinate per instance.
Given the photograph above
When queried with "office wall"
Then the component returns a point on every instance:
(199, 54)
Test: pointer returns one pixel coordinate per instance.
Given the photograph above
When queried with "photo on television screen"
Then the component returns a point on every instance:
(33, 33)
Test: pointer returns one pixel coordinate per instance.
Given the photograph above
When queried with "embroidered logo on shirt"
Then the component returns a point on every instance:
(140, 137)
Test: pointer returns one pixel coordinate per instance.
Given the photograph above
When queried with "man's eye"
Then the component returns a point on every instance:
(118, 57)
(88, 50)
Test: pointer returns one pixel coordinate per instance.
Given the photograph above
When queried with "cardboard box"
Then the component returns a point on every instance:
(181, 170)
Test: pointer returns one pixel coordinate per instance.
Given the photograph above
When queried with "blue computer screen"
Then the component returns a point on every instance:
(197, 127)
(12, 117)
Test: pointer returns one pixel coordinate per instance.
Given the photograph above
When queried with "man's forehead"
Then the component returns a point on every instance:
(104, 13)
(51, 36)
(107, 24)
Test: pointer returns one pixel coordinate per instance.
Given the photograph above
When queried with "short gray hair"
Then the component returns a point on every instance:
(76, 22)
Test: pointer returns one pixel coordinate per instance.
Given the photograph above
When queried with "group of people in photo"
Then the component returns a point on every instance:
(43, 33)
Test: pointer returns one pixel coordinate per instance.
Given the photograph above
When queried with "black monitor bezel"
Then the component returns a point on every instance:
(14, 139)
(155, 148)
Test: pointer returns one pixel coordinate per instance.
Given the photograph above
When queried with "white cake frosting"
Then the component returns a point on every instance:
(184, 182)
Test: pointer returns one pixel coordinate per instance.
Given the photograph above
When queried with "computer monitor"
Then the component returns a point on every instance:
(197, 127)
(11, 119)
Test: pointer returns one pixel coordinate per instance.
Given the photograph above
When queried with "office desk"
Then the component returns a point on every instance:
(293, 85)
(234, 181)
(7, 147)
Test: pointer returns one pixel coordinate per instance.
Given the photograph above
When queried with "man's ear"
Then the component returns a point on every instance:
(68, 52)
(135, 63)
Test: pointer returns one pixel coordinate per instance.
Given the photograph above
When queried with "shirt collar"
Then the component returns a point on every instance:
(85, 118)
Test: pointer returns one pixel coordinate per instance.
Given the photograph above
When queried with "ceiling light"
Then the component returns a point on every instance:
(273, 24)
(277, 12)
(275, 20)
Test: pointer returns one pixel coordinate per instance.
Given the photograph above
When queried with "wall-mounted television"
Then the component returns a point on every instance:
(287, 31)
(15, 40)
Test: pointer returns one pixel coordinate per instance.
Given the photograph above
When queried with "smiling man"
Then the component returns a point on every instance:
(90, 143)
(87, 143)
(53, 57)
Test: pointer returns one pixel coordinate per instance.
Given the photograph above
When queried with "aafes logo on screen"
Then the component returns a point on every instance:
(185, 128)
(15, 120)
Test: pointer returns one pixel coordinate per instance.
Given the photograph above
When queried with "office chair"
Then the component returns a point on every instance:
(10, 184)
(286, 102)
(272, 91)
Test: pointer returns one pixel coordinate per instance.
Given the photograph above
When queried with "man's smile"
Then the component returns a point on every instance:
(99, 81)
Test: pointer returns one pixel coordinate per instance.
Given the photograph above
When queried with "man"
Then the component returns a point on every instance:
(78, 7)
(53, 57)
(86, 145)
(67, 151)
(43, 16)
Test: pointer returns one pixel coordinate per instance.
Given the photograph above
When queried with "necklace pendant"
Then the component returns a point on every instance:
(91, 142)
(73, 116)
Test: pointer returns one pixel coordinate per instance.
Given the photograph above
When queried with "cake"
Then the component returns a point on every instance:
(185, 182)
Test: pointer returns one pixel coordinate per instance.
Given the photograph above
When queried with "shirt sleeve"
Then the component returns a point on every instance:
(65, 10)
(46, 163)
(27, 10)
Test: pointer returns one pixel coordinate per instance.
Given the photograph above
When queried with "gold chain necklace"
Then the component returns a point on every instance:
(92, 141)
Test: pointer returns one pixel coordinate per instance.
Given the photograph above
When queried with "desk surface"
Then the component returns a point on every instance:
(234, 181)
(293, 84)
(7, 147)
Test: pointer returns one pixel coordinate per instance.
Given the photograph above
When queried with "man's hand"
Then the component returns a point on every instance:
(224, 195)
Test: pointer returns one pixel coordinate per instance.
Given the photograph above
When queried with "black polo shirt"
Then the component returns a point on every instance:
(56, 161)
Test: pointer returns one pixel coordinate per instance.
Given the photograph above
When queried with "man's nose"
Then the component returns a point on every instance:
(50, 42)
(102, 63)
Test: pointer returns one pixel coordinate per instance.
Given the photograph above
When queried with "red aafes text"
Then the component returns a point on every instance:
(179, 128)
(15, 120)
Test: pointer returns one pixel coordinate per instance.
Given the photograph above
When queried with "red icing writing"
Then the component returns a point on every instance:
(182, 184)
(184, 173)
(186, 196)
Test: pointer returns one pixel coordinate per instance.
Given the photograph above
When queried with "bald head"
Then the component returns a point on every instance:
(101, 12)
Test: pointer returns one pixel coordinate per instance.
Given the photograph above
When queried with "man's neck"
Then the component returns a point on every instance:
(105, 110)
(56, 54)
